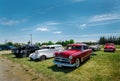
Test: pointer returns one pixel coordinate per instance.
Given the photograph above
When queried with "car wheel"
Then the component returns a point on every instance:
(43, 57)
(17, 56)
(24, 55)
(59, 66)
(31, 59)
(77, 63)
(89, 56)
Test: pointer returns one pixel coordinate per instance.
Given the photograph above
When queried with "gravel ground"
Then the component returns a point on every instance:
(5, 52)
(11, 71)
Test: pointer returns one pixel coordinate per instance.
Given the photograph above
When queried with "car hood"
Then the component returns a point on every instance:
(109, 47)
(67, 53)
(41, 50)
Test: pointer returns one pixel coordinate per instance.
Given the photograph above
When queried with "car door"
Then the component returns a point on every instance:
(85, 52)
(52, 50)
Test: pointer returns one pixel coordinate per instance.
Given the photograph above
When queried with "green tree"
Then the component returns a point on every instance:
(58, 42)
(71, 41)
(38, 44)
(102, 40)
(118, 41)
(9, 43)
(50, 43)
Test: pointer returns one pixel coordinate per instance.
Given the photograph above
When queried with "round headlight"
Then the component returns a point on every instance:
(36, 52)
(21, 51)
(70, 57)
(25, 51)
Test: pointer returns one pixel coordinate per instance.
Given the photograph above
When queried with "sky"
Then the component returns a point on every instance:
(54, 20)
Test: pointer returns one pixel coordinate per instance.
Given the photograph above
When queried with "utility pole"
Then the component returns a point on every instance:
(31, 38)
(6, 41)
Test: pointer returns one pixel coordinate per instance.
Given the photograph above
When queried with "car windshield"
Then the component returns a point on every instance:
(45, 48)
(73, 47)
(109, 44)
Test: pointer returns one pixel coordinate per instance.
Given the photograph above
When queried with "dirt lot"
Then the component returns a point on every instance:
(5, 52)
(10, 71)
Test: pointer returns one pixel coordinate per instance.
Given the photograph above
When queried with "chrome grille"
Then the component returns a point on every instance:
(62, 60)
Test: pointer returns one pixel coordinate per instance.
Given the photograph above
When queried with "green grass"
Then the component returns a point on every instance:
(103, 66)
(118, 46)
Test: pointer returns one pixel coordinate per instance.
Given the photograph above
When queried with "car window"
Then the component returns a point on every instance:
(58, 47)
(45, 47)
(52, 47)
(85, 47)
(74, 48)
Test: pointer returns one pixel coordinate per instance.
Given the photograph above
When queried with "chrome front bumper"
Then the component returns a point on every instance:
(108, 49)
(63, 64)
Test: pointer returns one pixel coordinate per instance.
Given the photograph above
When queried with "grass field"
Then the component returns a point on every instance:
(103, 66)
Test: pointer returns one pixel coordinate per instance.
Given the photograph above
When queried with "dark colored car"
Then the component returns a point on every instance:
(0, 49)
(4, 47)
(11, 47)
(24, 51)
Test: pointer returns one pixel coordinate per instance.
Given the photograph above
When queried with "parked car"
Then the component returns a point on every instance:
(11, 47)
(0, 49)
(45, 52)
(109, 47)
(95, 47)
(24, 51)
(4, 47)
(72, 56)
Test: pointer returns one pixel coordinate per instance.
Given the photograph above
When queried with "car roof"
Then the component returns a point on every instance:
(53, 45)
(77, 45)
(109, 44)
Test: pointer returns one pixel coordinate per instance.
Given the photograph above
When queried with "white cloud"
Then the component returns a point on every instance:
(52, 23)
(42, 29)
(83, 26)
(57, 32)
(91, 35)
(102, 23)
(47, 26)
(8, 22)
(104, 17)
(100, 34)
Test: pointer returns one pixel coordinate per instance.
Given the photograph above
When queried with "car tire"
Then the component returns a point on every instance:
(43, 57)
(59, 66)
(17, 56)
(89, 56)
(24, 55)
(77, 63)
(31, 59)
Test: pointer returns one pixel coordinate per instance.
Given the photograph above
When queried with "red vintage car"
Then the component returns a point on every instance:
(72, 56)
(109, 47)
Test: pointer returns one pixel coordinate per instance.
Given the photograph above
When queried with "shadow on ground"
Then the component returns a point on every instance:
(65, 69)
(62, 69)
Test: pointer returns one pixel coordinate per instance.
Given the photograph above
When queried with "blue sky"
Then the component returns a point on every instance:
(81, 20)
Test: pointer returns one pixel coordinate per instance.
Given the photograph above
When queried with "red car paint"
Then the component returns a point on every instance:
(109, 47)
(74, 51)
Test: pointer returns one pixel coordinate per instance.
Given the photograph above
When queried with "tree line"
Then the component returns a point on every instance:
(102, 41)
(111, 39)
(63, 43)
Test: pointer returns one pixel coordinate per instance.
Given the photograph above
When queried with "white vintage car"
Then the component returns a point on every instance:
(45, 52)
(95, 47)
